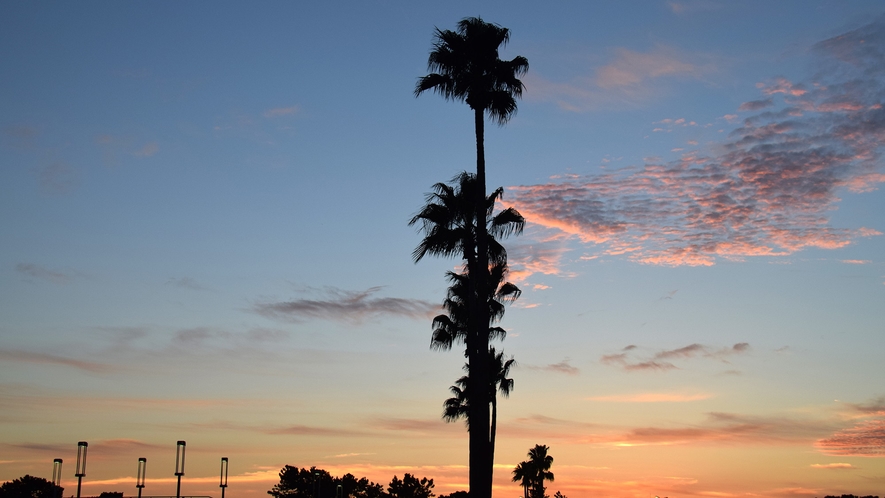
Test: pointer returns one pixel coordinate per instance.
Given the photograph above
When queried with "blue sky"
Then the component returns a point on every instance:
(204, 212)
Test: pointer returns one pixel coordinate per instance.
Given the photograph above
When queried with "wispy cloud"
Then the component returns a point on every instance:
(185, 283)
(43, 273)
(349, 306)
(280, 111)
(147, 150)
(687, 6)
(564, 367)
(423, 426)
(755, 105)
(662, 360)
(544, 256)
(629, 79)
(652, 398)
(875, 407)
(721, 427)
(19, 136)
(51, 359)
(306, 430)
(717, 428)
(58, 177)
(198, 336)
(768, 189)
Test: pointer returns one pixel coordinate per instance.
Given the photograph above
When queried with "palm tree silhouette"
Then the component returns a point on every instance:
(452, 327)
(458, 406)
(540, 463)
(465, 67)
(525, 476)
(449, 225)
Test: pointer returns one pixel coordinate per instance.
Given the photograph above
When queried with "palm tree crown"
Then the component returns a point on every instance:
(465, 67)
(448, 221)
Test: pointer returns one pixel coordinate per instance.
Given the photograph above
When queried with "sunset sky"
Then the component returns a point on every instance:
(203, 237)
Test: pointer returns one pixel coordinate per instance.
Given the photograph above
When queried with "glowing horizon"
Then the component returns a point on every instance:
(205, 238)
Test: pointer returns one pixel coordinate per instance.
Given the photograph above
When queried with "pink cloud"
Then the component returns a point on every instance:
(767, 193)
(782, 85)
(629, 79)
(541, 257)
(866, 439)
(632, 68)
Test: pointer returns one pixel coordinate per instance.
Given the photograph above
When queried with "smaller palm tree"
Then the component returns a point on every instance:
(533, 472)
(525, 476)
(458, 406)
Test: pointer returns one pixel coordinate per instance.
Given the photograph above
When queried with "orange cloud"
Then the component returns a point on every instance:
(839, 466)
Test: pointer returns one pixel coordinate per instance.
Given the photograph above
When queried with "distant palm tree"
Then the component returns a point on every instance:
(532, 473)
(524, 474)
(541, 463)
(465, 67)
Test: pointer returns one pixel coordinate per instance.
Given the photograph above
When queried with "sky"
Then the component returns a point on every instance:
(204, 213)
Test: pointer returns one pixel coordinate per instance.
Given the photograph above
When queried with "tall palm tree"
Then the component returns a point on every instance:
(465, 67)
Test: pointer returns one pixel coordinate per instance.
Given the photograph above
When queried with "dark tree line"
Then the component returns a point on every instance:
(317, 483)
(30, 487)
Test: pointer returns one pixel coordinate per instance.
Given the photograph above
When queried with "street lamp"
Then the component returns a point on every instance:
(139, 480)
(223, 482)
(81, 464)
(179, 465)
(316, 478)
(56, 475)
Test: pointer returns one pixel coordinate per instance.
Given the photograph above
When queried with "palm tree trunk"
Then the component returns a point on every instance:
(481, 459)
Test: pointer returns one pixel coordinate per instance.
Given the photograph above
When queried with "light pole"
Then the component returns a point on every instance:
(81, 464)
(179, 465)
(139, 480)
(223, 482)
(316, 478)
(56, 475)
